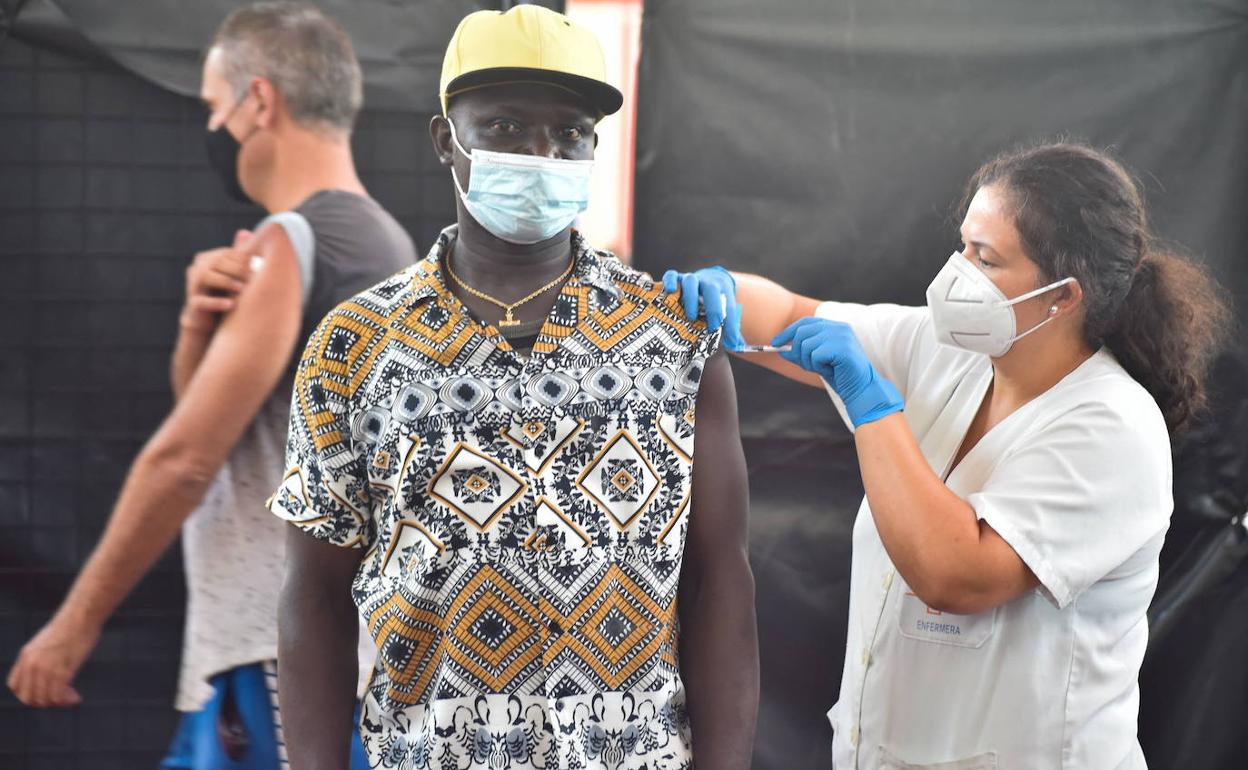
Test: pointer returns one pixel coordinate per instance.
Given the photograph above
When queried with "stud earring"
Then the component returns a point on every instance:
(1053, 310)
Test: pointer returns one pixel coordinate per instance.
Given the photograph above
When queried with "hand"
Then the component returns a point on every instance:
(49, 662)
(213, 279)
(717, 289)
(831, 350)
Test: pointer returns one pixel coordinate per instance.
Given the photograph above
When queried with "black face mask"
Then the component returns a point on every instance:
(223, 151)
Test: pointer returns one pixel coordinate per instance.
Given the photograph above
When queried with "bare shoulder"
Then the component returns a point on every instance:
(270, 239)
(270, 303)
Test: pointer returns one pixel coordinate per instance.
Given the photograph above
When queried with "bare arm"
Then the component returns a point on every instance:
(213, 279)
(243, 363)
(768, 309)
(188, 354)
(974, 569)
(317, 666)
(719, 635)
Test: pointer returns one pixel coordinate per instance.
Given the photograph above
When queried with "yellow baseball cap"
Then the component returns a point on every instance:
(527, 44)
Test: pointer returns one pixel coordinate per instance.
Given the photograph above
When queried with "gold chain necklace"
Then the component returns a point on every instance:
(508, 318)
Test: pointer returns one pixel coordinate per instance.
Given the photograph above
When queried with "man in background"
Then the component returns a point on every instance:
(282, 87)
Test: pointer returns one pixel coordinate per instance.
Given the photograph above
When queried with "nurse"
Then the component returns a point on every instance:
(1014, 444)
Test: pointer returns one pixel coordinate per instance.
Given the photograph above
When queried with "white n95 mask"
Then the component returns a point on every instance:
(971, 313)
(523, 199)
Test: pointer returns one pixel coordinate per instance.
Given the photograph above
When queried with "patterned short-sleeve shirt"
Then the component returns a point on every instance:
(523, 520)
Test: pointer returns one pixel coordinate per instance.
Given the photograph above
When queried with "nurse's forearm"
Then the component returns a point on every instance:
(925, 528)
(768, 307)
(951, 560)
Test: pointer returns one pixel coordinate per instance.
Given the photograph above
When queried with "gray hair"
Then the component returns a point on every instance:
(306, 55)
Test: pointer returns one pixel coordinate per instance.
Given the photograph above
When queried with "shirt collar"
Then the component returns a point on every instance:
(591, 269)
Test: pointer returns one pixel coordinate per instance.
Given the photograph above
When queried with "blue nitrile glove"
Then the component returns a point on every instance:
(831, 350)
(717, 289)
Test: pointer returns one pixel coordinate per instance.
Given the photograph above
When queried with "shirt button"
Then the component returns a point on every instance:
(866, 657)
(853, 737)
(888, 580)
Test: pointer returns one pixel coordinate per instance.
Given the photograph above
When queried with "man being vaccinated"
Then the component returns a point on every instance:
(492, 458)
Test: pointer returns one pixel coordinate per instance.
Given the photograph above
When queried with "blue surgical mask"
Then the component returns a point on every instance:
(523, 198)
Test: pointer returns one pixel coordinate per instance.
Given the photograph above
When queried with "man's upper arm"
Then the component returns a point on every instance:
(312, 562)
(246, 358)
(719, 516)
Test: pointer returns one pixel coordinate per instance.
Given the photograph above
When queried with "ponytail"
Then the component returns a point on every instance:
(1168, 330)
(1080, 213)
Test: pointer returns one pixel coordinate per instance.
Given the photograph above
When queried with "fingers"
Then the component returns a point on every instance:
(232, 264)
(235, 269)
(41, 686)
(670, 281)
(793, 337)
(732, 312)
(732, 328)
(47, 664)
(807, 342)
(206, 303)
(17, 680)
(825, 354)
(216, 280)
(803, 337)
(25, 681)
(689, 295)
(53, 689)
(715, 304)
(240, 237)
(209, 256)
(228, 261)
(786, 336)
(35, 685)
(67, 696)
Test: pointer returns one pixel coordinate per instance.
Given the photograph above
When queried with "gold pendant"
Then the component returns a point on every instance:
(508, 320)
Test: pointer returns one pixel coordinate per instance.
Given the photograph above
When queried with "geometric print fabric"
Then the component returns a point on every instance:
(494, 638)
(522, 520)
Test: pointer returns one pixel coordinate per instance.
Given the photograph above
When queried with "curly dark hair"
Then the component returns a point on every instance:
(1080, 213)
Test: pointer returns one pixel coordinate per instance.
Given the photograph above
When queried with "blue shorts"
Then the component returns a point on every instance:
(198, 745)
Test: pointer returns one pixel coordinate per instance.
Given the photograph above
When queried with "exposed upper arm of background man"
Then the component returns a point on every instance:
(248, 354)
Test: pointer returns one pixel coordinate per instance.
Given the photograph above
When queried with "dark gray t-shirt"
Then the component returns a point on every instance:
(233, 548)
(357, 244)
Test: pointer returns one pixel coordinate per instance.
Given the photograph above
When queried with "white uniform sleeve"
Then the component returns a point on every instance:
(302, 241)
(1080, 496)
